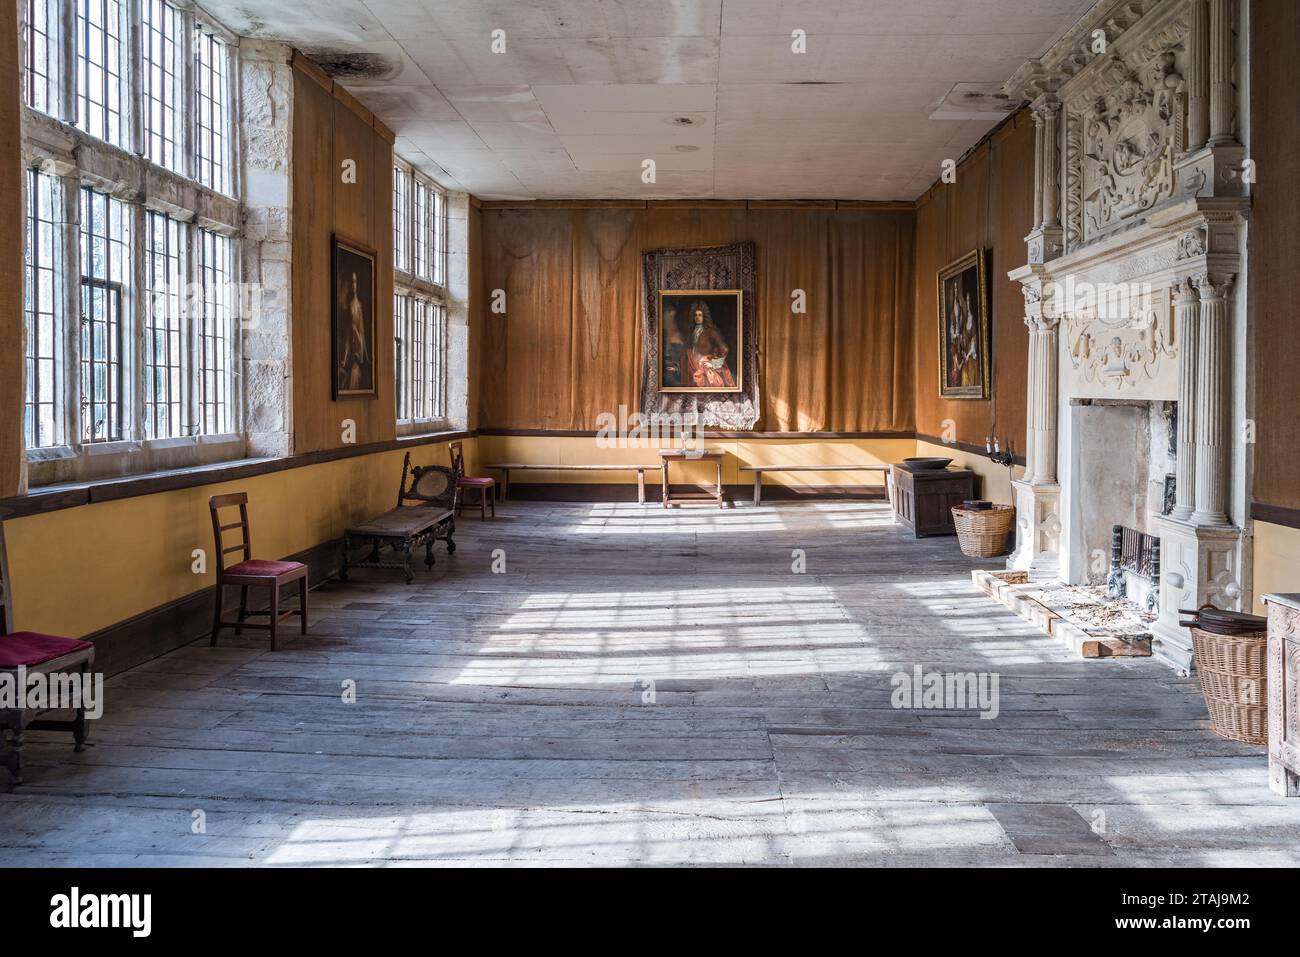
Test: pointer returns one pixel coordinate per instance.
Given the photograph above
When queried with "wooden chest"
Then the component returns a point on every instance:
(1284, 693)
(923, 498)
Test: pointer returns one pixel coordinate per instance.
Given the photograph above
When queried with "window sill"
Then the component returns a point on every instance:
(51, 453)
(172, 442)
(422, 428)
(47, 498)
(190, 441)
(116, 447)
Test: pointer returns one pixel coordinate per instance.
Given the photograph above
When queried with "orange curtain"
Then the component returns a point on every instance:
(568, 347)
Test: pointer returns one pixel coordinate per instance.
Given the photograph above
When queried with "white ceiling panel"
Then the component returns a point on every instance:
(585, 90)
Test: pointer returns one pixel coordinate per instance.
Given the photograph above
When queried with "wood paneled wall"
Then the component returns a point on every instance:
(990, 205)
(1274, 250)
(329, 127)
(476, 311)
(569, 345)
(11, 255)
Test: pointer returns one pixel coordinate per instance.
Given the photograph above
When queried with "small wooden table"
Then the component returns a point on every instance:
(403, 529)
(758, 471)
(690, 498)
(506, 467)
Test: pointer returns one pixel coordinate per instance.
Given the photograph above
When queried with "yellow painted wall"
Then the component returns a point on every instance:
(995, 483)
(561, 450)
(1277, 561)
(78, 570)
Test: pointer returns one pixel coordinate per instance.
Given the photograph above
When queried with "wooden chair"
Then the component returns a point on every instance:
(251, 573)
(486, 485)
(37, 653)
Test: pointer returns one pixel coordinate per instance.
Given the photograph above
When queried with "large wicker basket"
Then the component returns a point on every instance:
(983, 533)
(1233, 670)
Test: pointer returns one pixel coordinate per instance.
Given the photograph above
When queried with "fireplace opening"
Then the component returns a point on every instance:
(1122, 465)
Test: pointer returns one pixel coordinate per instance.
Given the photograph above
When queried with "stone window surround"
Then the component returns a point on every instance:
(58, 147)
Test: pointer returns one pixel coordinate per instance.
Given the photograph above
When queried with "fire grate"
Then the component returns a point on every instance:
(1136, 552)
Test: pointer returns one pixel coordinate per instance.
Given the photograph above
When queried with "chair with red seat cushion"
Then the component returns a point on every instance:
(37, 653)
(251, 573)
(31, 648)
(486, 485)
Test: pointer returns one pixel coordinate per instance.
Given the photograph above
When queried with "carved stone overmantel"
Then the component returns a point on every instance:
(1140, 223)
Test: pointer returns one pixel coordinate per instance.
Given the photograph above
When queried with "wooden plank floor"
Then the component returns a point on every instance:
(648, 687)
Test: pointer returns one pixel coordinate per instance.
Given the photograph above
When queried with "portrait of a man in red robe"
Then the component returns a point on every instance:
(701, 341)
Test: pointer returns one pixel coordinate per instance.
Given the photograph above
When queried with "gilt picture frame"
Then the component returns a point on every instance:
(964, 327)
(352, 319)
(701, 344)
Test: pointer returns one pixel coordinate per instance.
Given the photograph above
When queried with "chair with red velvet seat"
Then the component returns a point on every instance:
(486, 485)
(251, 573)
(37, 653)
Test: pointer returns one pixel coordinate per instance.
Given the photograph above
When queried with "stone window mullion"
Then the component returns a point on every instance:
(71, 295)
(188, 97)
(133, 79)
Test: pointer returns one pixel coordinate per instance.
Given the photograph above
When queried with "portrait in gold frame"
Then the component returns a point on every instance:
(963, 312)
(700, 340)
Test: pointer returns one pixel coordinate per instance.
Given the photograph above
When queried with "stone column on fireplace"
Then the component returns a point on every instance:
(1200, 549)
(1046, 240)
(1211, 164)
(1042, 409)
(1037, 493)
(1212, 429)
(1186, 325)
(1198, 76)
(1223, 94)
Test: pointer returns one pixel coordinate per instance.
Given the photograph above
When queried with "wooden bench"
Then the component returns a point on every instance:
(407, 527)
(758, 471)
(507, 467)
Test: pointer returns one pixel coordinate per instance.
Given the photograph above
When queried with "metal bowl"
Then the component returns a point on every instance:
(927, 463)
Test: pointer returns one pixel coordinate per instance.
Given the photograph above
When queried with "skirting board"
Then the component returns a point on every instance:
(742, 494)
(156, 632)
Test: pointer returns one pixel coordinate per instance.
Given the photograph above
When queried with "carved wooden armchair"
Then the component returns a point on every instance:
(436, 486)
(425, 513)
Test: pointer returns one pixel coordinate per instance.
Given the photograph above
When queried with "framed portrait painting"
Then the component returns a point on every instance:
(353, 319)
(700, 348)
(964, 368)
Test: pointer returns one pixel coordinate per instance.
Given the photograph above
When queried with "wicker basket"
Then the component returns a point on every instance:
(1234, 680)
(983, 533)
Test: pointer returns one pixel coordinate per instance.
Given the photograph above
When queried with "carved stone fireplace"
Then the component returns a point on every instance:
(1133, 301)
